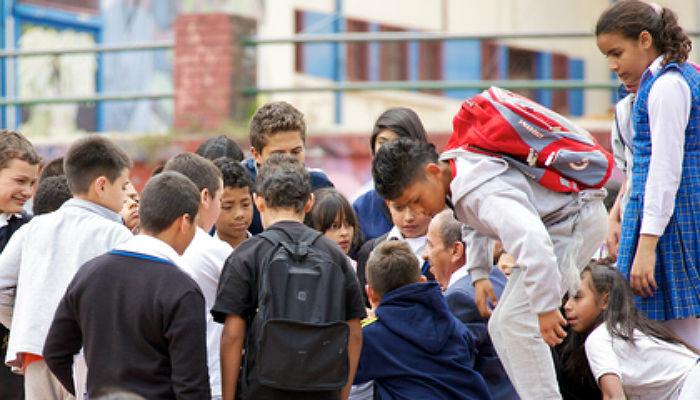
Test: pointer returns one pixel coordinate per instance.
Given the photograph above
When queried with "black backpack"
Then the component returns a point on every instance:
(302, 336)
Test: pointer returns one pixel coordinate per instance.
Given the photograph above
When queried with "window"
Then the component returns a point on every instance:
(560, 70)
(393, 58)
(298, 47)
(357, 53)
(521, 66)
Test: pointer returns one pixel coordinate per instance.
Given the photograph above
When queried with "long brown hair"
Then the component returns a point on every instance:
(629, 18)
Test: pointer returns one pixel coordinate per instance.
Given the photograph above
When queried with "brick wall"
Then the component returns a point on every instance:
(211, 69)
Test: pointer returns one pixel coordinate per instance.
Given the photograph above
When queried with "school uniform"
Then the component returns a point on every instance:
(203, 261)
(238, 295)
(140, 320)
(552, 236)
(665, 184)
(416, 349)
(11, 384)
(649, 368)
(48, 251)
(318, 180)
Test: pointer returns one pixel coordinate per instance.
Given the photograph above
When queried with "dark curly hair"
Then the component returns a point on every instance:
(629, 18)
(397, 165)
(274, 117)
(284, 183)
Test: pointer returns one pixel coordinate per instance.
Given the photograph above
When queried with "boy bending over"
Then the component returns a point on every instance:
(552, 236)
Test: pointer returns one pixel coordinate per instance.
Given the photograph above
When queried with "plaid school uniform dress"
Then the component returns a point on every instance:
(678, 250)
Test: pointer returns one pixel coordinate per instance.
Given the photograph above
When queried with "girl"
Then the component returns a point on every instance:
(629, 355)
(370, 208)
(659, 248)
(333, 215)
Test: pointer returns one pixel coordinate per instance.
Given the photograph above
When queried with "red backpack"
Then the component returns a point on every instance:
(541, 143)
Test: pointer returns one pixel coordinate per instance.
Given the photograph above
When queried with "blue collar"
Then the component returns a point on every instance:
(141, 256)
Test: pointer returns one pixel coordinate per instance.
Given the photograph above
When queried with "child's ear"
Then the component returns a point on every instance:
(259, 202)
(605, 299)
(433, 170)
(256, 155)
(204, 197)
(372, 296)
(99, 185)
(645, 40)
(309, 204)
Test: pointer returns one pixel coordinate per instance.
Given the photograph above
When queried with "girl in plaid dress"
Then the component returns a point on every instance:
(660, 239)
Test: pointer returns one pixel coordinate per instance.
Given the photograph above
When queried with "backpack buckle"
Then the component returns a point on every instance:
(532, 157)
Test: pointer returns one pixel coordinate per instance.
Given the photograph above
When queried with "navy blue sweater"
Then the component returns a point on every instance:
(416, 349)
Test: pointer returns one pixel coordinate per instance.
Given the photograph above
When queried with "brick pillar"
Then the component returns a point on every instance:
(211, 69)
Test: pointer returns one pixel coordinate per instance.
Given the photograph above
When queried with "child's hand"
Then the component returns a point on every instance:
(552, 325)
(484, 290)
(642, 273)
(612, 240)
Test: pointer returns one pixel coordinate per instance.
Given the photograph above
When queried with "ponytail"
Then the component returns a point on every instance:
(630, 18)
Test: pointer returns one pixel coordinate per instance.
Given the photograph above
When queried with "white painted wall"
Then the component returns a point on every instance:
(276, 67)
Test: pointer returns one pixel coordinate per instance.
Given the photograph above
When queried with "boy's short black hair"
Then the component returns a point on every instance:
(390, 266)
(50, 194)
(53, 168)
(91, 157)
(201, 171)
(13, 145)
(220, 146)
(234, 174)
(165, 198)
(284, 183)
(398, 164)
(278, 116)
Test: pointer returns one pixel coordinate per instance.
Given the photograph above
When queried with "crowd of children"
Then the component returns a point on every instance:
(256, 279)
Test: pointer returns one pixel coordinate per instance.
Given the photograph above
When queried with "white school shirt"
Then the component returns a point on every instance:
(203, 261)
(622, 146)
(48, 250)
(669, 109)
(651, 369)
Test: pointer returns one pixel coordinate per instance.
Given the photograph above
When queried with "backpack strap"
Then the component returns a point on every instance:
(275, 236)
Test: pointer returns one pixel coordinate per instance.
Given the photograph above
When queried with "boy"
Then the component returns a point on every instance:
(445, 252)
(550, 234)
(43, 257)
(283, 196)
(138, 317)
(409, 227)
(278, 128)
(205, 257)
(414, 348)
(50, 194)
(236, 203)
(19, 166)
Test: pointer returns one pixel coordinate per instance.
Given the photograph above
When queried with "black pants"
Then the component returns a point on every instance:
(11, 384)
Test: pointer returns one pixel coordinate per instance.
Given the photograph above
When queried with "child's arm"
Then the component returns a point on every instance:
(612, 240)
(232, 339)
(642, 273)
(611, 386)
(10, 259)
(354, 348)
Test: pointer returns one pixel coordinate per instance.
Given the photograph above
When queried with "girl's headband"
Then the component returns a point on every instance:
(657, 8)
